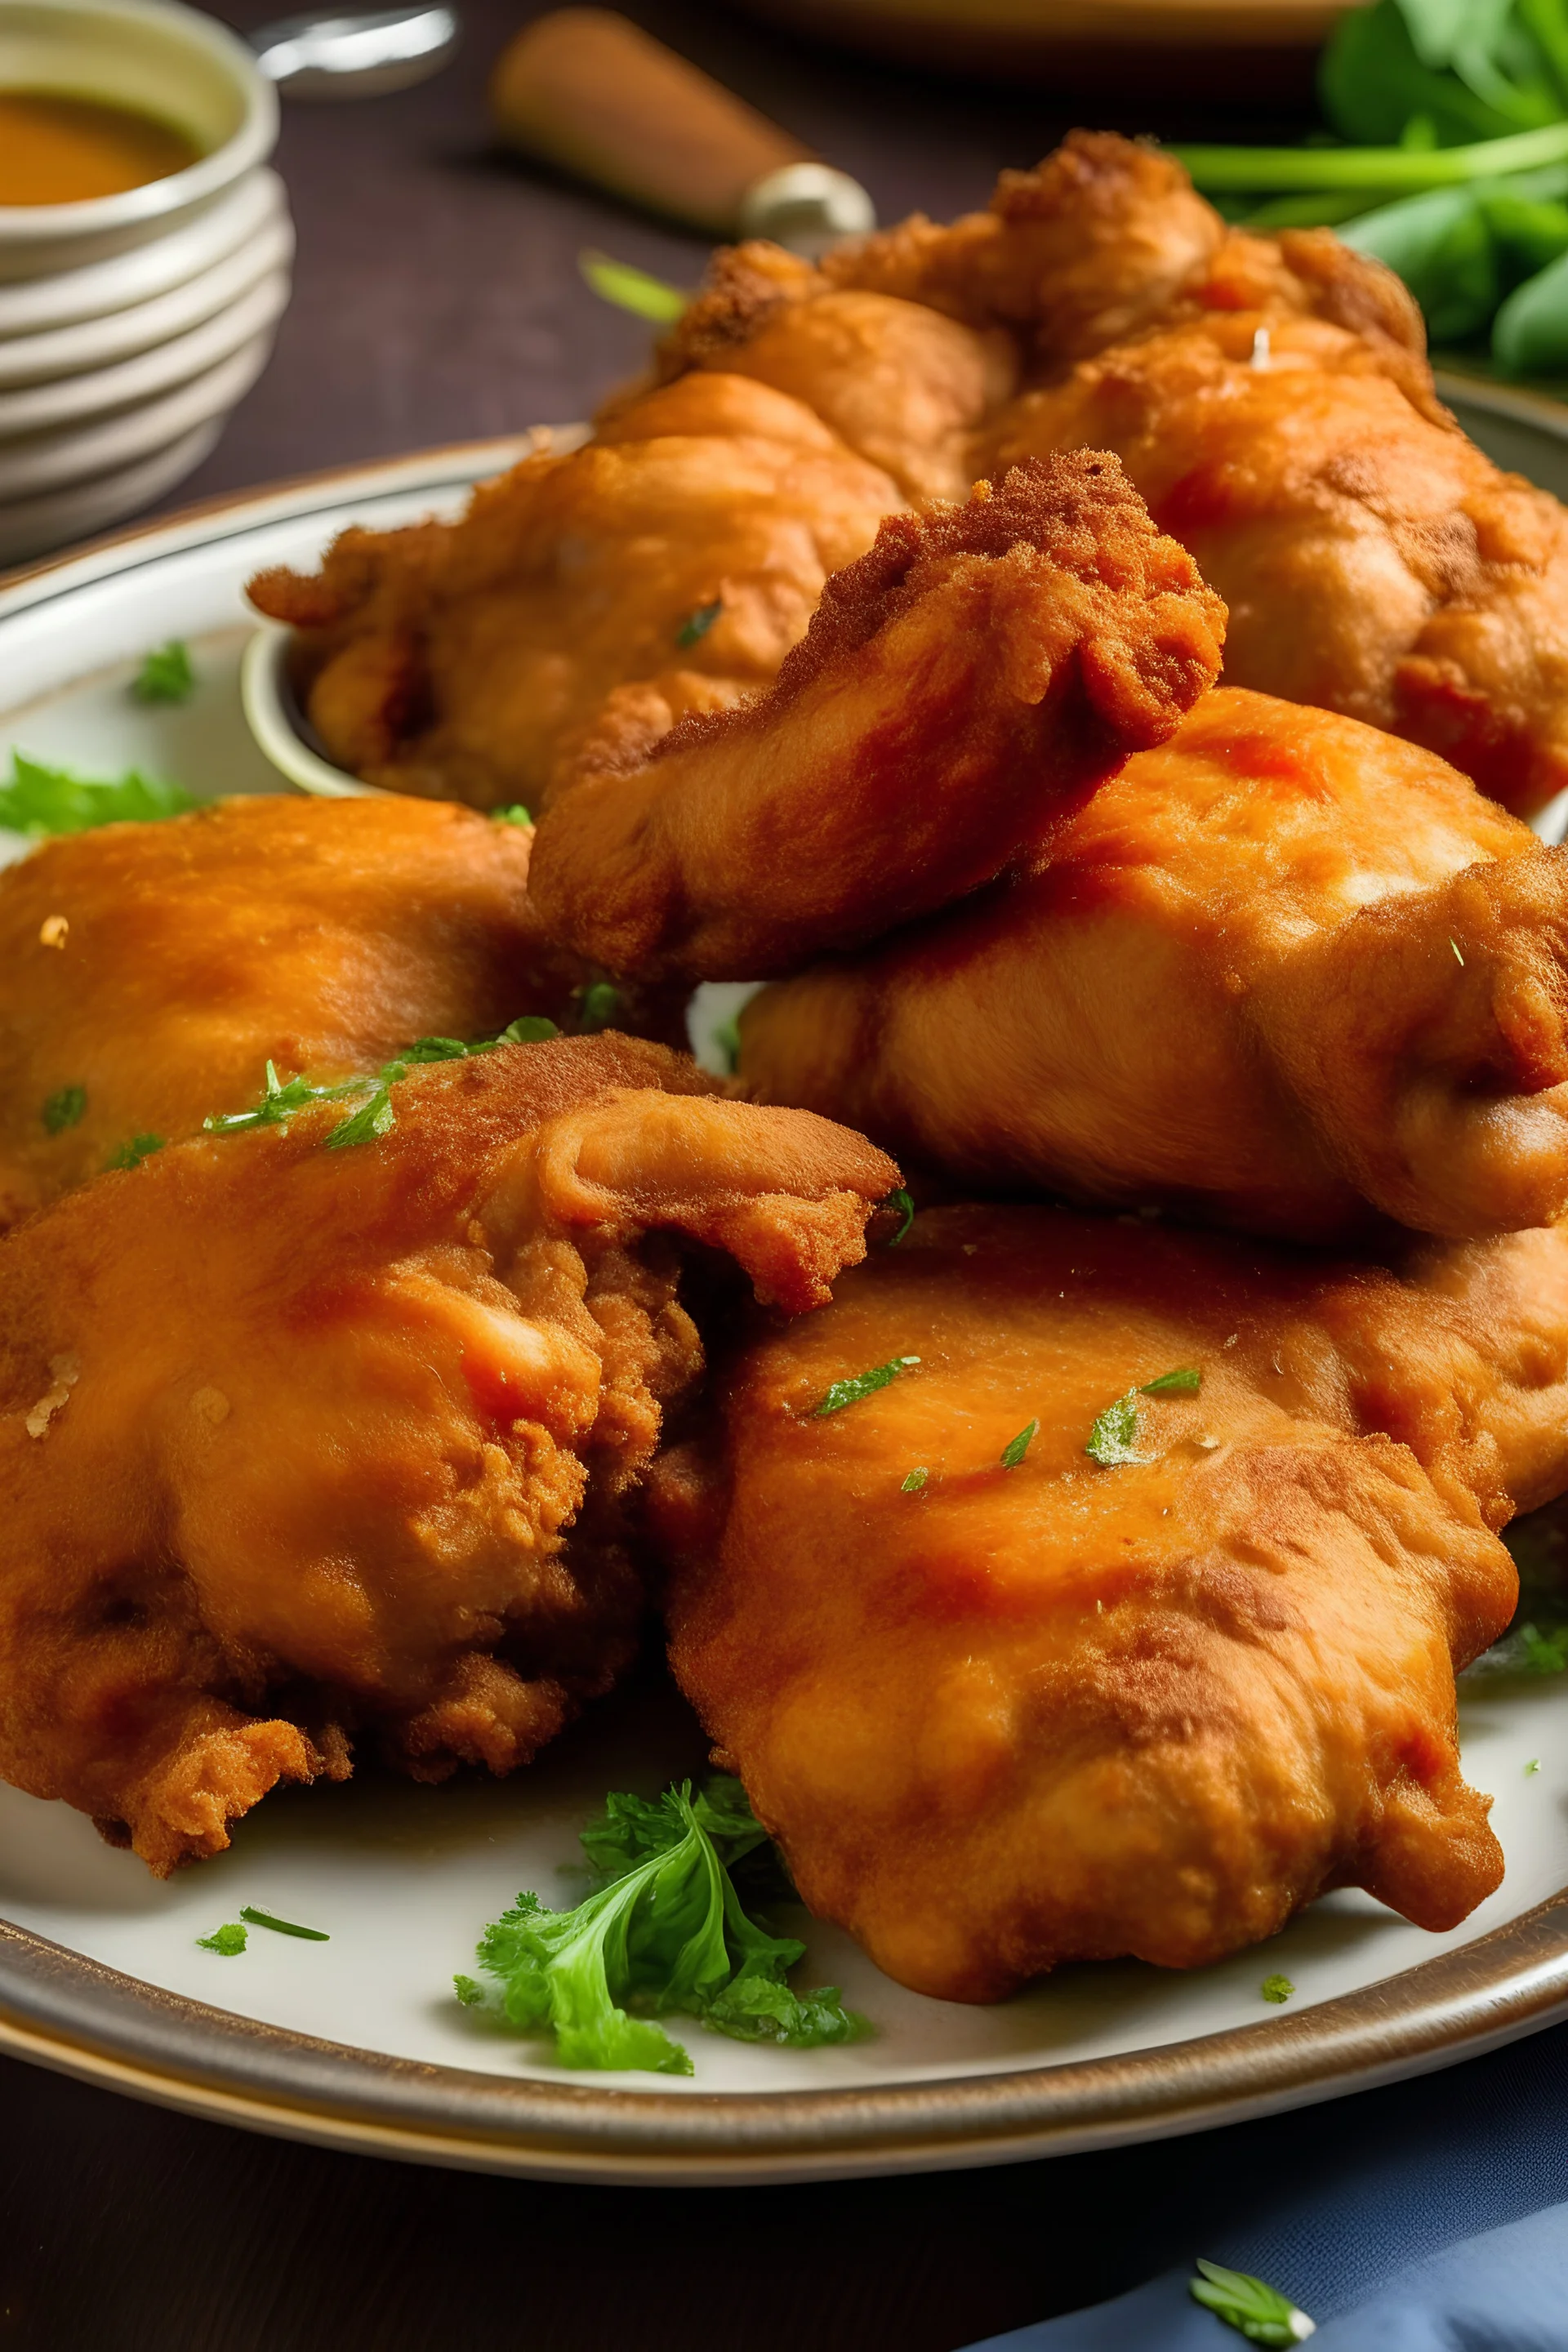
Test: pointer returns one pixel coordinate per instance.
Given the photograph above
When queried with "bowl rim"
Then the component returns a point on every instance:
(178, 192)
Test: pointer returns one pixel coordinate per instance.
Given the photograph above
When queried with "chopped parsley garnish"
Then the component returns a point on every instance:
(1113, 1439)
(1276, 1989)
(632, 289)
(1187, 1381)
(281, 1098)
(726, 1043)
(1016, 1447)
(665, 1929)
(131, 1154)
(597, 1004)
(1254, 2310)
(227, 1940)
(861, 1384)
(515, 815)
(697, 624)
(914, 1481)
(39, 800)
(1532, 1767)
(1543, 1654)
(166, 675)
(283, 1926)
(64, 1110)
(902, 1202)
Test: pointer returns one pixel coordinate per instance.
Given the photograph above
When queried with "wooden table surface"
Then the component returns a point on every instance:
(437, 298)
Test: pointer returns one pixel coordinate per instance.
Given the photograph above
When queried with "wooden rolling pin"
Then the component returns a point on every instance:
(585, 89)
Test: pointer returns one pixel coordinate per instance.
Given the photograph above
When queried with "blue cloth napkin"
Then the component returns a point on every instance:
(1430, 2217)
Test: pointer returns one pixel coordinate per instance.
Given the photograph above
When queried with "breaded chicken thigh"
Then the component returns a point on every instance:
(667, 567)
(1282, 971)
(1005, 1702)
(302, 1446)
(151, 970)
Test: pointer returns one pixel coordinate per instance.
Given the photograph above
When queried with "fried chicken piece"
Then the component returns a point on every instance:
(1269, 397)
(1281, 973)
(153, 970)
(982, 669)
(303, 1445)
(1005, 1716)
(904, 387)
(465, 660)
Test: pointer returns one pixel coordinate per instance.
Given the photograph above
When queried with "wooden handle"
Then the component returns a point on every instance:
(585, 89)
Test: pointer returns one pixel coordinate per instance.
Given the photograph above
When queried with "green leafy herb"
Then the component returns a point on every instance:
(528, 1029)
(1187, 1381)
(1256, 2310)
(227, 1940)
(861, 1384)
(375, 1117)
(166, 675)
(64, 1110)
(697, 624)
(283, 1926)
(516, 814)
(131, 1154)
(597, 1006)
(632, 289)
(902, 1202)
(726, 1044)
(1016, 1447)
(40, 800)
(1532, 1767)
(1276, 1989)
(1112, 1442)
(470, 1993)
(914, 1481)
(1543, 1654)
(665, 1929)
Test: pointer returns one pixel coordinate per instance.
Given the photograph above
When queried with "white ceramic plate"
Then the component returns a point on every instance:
(357, 2042)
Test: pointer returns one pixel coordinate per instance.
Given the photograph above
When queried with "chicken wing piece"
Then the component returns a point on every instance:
(982, 669)
(302, 1444)
(1281, 973)
(1007, 1702)
(153, 970)
(670, 564)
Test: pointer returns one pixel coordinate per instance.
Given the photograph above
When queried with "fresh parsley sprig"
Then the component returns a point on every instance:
(696, 625)
(64, 1108)
(1113, 1440)
(227, 1940)
(167, 676)
(1253, 2309)
(664, 1930)
(40, 800)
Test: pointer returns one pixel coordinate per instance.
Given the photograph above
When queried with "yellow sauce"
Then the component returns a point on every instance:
(64, 151)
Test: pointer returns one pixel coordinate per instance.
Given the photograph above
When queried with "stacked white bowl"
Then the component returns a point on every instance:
(131, 324)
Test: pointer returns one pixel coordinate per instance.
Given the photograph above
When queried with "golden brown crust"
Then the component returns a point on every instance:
(1062, 1710)
(957, 685)
(303, 1445)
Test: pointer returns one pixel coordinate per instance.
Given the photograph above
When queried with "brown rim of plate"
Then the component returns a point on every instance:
(68, 2013)
(60, 2010)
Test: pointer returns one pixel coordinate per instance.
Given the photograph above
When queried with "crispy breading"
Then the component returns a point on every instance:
(323, 935)
(959, 686)
(1282, 971)
(1008, 1717)
(303, 1446)
(466, 659)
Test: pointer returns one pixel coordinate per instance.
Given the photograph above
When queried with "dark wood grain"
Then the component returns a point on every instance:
(437, 298)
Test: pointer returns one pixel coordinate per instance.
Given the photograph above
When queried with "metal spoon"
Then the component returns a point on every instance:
(360, 55)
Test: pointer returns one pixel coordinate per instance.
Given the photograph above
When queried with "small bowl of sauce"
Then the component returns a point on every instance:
(59, 148)
(120, 120)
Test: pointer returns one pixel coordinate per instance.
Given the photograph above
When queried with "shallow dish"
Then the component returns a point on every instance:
(357, 2042)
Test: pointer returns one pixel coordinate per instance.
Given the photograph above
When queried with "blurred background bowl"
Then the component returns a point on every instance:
(131, 324)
